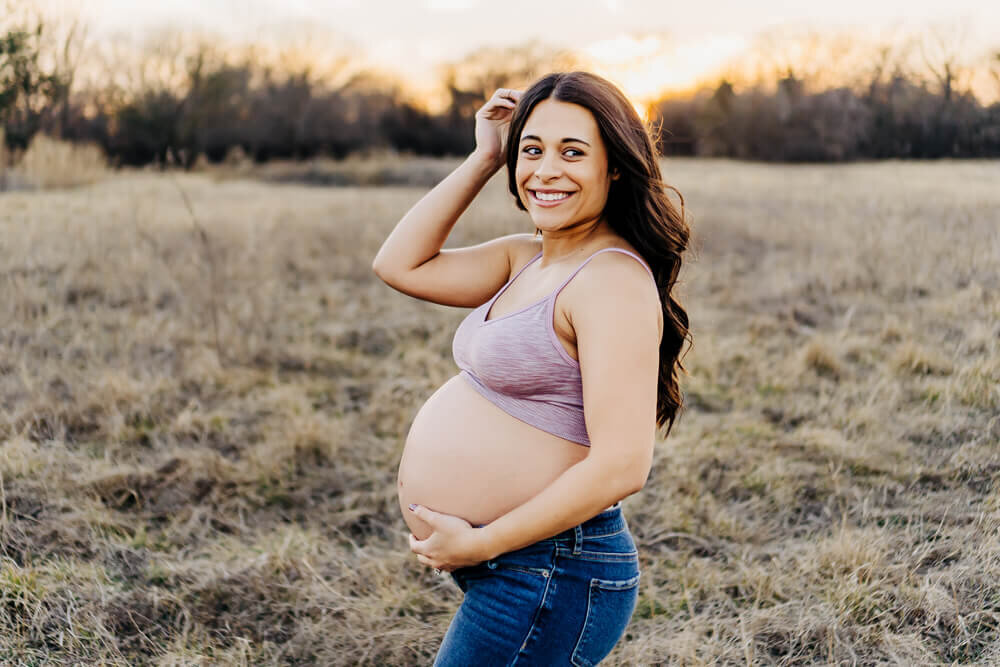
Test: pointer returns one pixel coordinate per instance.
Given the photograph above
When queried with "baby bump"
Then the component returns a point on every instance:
(465, 456)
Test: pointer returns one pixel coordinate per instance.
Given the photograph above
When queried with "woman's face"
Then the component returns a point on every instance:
(562, 166)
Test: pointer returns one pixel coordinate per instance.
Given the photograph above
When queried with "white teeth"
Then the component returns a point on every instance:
(551, 196)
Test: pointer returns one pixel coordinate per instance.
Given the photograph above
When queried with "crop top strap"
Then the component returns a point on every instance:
(623, 250)
(521, 270)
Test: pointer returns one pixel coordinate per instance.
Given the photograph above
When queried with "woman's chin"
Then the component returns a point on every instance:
(548, 222)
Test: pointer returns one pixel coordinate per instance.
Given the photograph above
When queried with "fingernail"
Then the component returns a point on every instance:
(412, 506)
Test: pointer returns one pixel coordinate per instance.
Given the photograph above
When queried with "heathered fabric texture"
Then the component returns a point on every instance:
(517, 362)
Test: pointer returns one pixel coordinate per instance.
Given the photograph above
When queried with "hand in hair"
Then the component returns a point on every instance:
(493, 124)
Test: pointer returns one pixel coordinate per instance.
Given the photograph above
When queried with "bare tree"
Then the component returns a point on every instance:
(994, 69)
(941, 49)
(29, 86)
(481, 72)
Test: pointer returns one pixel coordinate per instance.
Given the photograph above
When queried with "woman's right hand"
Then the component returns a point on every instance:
(493, 125)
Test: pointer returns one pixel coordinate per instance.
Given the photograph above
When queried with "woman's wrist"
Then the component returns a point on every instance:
(489, 164)
(486, 548)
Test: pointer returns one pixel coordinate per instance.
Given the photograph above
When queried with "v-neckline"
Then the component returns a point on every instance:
(516, 312)
(489, 304)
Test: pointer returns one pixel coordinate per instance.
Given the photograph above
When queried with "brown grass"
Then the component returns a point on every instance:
(52, 163)
(830, 496)
(378, 169)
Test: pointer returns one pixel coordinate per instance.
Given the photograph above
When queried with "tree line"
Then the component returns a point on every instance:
(200, 101)
(893, 118)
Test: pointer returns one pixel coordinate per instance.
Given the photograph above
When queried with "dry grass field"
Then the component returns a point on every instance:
(202, 417)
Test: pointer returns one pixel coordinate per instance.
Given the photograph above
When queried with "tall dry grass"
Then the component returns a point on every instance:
(51, 163)
(831, 495)
(377, 169)
(6, 159)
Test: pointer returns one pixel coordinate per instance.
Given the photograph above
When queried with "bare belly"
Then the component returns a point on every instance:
(467, 457)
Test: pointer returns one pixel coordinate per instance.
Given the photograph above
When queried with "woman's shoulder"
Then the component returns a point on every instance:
(522, 248)
(620, 244)
(611, 279)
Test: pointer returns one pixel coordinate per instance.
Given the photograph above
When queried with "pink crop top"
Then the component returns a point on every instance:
(517, 362)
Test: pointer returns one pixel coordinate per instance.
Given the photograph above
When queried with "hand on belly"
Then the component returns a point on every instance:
(453, 542)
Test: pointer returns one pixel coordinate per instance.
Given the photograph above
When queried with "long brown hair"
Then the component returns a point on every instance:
(638, 208)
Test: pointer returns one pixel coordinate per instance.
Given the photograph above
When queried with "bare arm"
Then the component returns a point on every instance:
(420, 234)
(412, 260)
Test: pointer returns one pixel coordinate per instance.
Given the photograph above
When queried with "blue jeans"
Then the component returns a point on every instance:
(565, 600)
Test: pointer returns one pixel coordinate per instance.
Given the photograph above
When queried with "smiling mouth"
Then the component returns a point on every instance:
(549, 197)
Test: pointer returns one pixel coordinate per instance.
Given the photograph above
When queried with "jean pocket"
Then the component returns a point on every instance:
(463, 575)
(533, 559)
(500, 569)
(535, 568)
(610, 604)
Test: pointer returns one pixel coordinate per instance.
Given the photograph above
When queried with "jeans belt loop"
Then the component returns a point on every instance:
(577, 540)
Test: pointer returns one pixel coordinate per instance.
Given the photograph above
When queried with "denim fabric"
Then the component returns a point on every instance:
(565, 600)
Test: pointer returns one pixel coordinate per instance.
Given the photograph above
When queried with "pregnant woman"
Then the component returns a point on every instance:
(513, 471)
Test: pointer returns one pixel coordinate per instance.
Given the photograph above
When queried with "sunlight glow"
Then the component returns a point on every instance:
(648, 66)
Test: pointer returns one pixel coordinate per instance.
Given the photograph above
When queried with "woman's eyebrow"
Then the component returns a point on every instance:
(564, 140)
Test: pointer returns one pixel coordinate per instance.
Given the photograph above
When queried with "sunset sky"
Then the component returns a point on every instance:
(679, 41)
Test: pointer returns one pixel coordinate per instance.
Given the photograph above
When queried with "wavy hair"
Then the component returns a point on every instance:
(638, 208)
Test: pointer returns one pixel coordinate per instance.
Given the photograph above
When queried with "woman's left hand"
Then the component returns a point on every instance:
(454, 543)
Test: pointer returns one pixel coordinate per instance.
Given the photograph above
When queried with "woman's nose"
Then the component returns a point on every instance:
(548, 167)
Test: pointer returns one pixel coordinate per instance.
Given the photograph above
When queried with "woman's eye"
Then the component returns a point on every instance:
(528, 150)
(575, 153)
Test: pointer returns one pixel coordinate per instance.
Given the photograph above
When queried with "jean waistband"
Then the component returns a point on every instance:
(608, 522)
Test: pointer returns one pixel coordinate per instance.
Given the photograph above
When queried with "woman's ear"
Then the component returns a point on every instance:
(614, 174)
